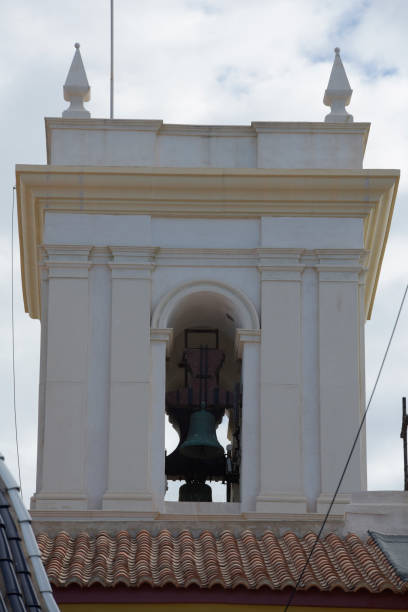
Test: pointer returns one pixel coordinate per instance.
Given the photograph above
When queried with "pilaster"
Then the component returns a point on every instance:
(247, 344)
(161, 341)
(63, 397)
(129, 482)
(340, 372)
(281, 476)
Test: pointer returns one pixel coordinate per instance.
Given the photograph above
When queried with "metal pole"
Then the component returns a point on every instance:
(111, 59)
(404, 437)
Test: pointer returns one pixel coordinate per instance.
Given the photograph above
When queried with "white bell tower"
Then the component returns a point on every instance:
(273, 234)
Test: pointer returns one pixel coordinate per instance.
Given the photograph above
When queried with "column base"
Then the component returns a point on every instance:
(59, 501)
(339, 506)
(128, 500)
(281, 503)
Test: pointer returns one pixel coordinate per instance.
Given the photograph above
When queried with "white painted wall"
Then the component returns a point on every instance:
(312, 233)
(97, 230)
(101, 409)
(102, 142)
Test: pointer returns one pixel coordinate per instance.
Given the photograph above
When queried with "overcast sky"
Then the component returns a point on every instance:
(208, 62)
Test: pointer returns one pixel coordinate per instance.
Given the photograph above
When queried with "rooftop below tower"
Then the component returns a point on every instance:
(278, 145)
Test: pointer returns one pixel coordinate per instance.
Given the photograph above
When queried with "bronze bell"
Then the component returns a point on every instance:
(201, 441)
(195, 492)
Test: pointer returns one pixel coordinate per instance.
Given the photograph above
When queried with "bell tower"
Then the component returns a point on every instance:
(219, 275)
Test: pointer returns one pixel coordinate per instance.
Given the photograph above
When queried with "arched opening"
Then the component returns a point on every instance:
(203, 375)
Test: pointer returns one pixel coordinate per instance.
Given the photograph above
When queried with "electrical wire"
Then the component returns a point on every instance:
(13, 339)
(294, 591)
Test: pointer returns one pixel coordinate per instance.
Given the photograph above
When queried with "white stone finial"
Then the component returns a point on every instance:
(338, 93)
(76, 88)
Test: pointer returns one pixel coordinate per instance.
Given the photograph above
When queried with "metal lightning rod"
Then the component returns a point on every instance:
(111, 59)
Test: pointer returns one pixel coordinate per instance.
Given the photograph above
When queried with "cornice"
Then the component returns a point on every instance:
(94, 516)
(157, 125)
(202, 193)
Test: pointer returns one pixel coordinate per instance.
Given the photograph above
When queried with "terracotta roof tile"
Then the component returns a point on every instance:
(227, 560)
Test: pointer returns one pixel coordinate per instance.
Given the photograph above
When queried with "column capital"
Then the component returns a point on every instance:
(245, 336)
(282, 264)
(272, 258)
(65, 260)
(340, 265)
(100, 255)
(64, 253)
(164, 335)
(133, 256)
(132, 262)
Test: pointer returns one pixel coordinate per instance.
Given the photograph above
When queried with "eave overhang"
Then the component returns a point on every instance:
(204, 193)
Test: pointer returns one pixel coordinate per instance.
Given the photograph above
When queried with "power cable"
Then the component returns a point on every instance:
(13, 339)
(294, 591)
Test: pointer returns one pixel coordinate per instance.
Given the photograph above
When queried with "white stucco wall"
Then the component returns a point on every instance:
(104, 277)
(103, 142)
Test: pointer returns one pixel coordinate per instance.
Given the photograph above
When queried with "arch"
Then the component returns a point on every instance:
(243, 311)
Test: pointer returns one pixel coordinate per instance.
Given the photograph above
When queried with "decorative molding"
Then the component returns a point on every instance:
(133, 257)
(100, 256)
(132, 262)
(113, 516)
(64, 253)
(64, 261)
(203, 193)
(341, 265)
(280, 260)
(173, 298)
(164, 335)
(245, 336)
(157, 125)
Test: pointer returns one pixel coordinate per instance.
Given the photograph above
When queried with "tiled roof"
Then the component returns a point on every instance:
(24, 585)
(208, 560)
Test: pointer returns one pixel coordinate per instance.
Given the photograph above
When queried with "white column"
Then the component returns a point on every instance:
(129, 469)
(281, 469)
(63, 402)
(340, 374)
(247, 344)
(161, 340)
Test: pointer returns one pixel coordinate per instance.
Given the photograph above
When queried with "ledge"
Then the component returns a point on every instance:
(202, 193)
